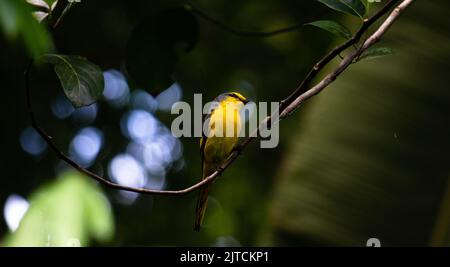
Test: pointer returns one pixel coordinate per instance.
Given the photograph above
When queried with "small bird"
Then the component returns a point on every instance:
(215, 148)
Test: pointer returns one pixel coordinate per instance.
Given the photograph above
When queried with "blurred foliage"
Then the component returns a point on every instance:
(219, 62)
(17, 23)
(81, 80)
(351, 164)
(155, 46)
(44, 8)
(353, 7)
(71, 211)
(375, 52)
(332, 27)
(372, 158)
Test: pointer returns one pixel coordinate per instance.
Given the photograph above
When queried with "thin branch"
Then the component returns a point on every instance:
(336, 51)
(292, 103)
(225, 27)
(66, 9)
(348, 60)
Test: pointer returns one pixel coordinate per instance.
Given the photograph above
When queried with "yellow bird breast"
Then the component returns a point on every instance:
(224, 127)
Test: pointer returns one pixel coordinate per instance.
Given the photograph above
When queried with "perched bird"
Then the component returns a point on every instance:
(224, 125)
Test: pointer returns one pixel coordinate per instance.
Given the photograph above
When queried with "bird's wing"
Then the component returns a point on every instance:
(203, 141)
(204, 138)
(202, 149)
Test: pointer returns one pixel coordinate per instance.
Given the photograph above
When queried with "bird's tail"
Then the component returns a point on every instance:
(202, 202)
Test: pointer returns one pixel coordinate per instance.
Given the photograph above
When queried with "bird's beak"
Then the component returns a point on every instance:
(246, 101)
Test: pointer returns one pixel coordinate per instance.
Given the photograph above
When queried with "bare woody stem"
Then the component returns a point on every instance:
(348, 60)
(336, 52)
(290, 104)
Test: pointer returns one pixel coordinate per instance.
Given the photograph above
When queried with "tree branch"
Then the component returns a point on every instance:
(67, 7)
(290, 104)
(336, 52)
(348, 60)
(223, 26)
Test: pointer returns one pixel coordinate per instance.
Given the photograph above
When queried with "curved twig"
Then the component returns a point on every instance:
(225, 27)
(288, 105)
(66, 9)
(337, 51)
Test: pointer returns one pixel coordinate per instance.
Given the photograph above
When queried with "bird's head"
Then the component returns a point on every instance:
(232, 96)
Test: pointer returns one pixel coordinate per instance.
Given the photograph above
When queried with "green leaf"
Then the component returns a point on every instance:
(352, 7)
(17, 24)
(71, 211)
(51, 2)
(332, 27)
(155, 46)
(81, 80)
(375, 52)
(356, 5)
(366, 3)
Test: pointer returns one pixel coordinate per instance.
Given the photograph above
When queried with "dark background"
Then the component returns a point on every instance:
(367, 158)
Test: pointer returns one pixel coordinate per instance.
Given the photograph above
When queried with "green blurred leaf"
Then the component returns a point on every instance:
(17, 23)
(81, 80)
(356, 5)
(51, 3)
(352, 7)
(376, 52)
(366, 3)
(98, 216)
(71, 211)
(154, 47)
(332, 27)
(371, 159)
